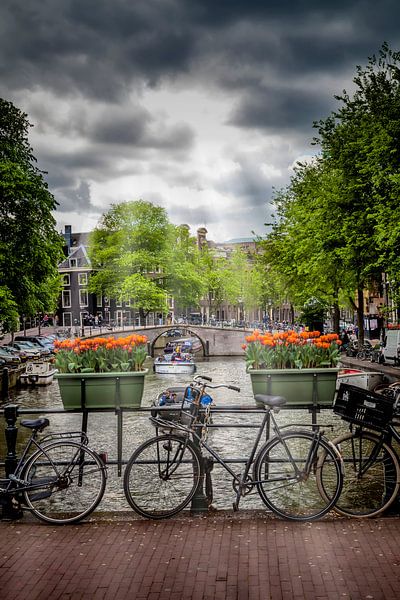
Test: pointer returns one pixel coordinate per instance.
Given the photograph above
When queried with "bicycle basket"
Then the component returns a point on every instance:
(176, 399)
(363, 407)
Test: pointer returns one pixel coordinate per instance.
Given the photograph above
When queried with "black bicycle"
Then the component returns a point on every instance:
(61, 482)
(164, 473)
(371, 464)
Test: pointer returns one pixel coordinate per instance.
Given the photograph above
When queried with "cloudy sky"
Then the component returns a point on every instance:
(202, 107)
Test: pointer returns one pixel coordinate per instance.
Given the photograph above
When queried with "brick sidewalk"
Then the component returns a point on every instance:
(242, 556)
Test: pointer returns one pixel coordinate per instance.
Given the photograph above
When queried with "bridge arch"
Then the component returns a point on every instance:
(216, 341)
(186, 332)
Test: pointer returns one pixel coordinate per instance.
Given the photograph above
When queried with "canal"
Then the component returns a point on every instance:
(102, 427)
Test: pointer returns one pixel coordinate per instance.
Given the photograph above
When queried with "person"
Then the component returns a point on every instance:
(345, 340)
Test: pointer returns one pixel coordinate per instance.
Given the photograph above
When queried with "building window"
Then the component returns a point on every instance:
(99, 301)
(73, 262)
(65, 279)
(127, 302)
(82, 278)
(118, 303)
(83, 298)
(67, 319)
(66, 299)
(106, 301)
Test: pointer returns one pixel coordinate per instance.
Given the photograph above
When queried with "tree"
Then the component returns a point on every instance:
(30, 247)
(130, 251)
(186, 282)
(362, 141)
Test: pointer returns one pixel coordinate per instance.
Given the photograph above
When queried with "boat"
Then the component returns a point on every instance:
(368, 380)
(38, 373)
(174, 363)
(189, 345)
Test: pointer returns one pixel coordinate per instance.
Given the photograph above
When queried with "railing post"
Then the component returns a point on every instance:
(11, 431)
(11, 511)
(200, 503)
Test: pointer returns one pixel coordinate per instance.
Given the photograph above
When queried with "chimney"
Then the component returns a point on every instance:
(68, 237)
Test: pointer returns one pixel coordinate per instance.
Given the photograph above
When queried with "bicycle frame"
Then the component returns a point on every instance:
(13, 482)
(240, 479)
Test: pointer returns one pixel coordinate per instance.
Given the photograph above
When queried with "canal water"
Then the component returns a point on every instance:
(102, 427)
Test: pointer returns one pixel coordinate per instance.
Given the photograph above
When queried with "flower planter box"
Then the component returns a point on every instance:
(300, 387)
(101, 390)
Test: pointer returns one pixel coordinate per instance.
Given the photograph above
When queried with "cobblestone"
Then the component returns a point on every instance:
(219, 556)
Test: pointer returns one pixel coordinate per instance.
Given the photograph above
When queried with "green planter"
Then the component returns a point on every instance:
(101, 390)
(300, 387)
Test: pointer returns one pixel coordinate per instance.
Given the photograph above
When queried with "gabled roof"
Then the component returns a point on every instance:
(79, 253)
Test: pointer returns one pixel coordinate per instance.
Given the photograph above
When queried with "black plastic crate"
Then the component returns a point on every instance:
(363, 407)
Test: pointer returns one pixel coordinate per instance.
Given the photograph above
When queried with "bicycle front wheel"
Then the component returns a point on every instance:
(371, 474)
(286, 476)
(67, 481)
(162, 476)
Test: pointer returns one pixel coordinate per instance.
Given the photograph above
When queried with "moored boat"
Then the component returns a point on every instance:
(367, 380)
(38, 373)
(174, 363)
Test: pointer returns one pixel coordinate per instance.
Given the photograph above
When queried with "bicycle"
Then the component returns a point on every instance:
(61, 482)
(371, 464)
(164, 473)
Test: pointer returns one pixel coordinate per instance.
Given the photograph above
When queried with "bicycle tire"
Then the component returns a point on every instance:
(69, 481)
(296, 497)
(162, 476)
(368, 494)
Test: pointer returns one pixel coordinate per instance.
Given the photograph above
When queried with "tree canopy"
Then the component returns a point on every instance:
(30, 247)
(337, 225)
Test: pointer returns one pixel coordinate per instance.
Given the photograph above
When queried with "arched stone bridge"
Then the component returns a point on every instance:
(215, 341)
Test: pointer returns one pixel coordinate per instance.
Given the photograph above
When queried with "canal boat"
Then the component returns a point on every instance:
(174, 363)
(368, 380)
(38, 373)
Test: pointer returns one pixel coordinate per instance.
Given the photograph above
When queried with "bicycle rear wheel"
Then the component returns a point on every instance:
(162, 476)
(371, 475)
(287, 480)
(68, 481)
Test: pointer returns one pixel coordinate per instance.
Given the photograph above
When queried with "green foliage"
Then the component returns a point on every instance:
(30, 247)
(337, 223)
(130, 254)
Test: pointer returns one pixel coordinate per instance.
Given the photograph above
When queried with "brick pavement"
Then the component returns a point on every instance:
(246, 556)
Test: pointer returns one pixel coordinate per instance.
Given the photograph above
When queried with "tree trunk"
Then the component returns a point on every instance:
(360, 316)
(336, 318)
(291, 314)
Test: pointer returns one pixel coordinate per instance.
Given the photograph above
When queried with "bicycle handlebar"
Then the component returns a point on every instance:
(197, 378)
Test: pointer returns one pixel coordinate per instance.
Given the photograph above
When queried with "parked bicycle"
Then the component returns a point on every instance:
(371, 464)
(62, 481)
(164, 473)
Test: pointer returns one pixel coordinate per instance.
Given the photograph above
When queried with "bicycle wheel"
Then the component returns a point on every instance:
(162, 476)
(287, 485)
(371, 475)
(68, 481)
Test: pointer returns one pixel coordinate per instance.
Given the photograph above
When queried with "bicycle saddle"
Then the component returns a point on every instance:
(38, 424)
(271, 401)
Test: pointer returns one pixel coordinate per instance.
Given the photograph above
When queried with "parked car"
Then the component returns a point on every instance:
(28, 348)
(11, 359)
(48, 342)
(36, 341)
(391, 346)
(11, 350)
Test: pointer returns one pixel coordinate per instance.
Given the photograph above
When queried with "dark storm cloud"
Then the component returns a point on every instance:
(278, 64)
(100, 48)
(280, 109)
